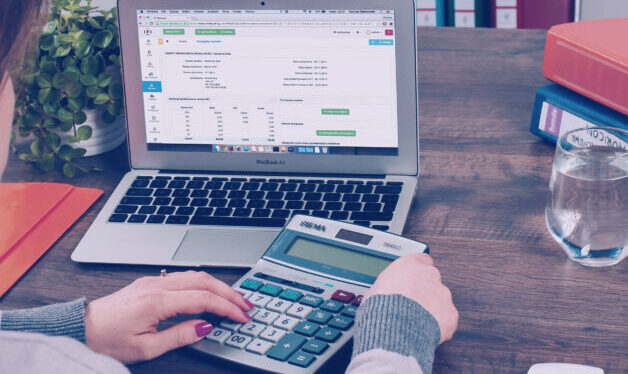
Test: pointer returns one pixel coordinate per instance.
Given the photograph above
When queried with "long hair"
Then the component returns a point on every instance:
(19, 21)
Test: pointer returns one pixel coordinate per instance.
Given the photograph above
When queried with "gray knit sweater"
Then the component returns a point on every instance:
(393, 335)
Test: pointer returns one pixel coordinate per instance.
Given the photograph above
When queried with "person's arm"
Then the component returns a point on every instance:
(403, 318)
(67, 319)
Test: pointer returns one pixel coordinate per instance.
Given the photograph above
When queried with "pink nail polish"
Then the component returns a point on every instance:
(203, 329)
(248, 318)
(241, 293)
(249, 304)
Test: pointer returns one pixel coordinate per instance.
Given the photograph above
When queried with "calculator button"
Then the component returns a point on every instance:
(332, 306)
(291, 295)
(328, 334)
(319, 316)
(357, 301)
(315, 346)
(251, 284)
(307, 328)
(219, 335)
(301, 359)
(246, 294)
(299, 311)
(286, 323)
(272, 334)
(238, 341)
(266, 317)
(286, 347)
(230, 325)
(278, 305)
(270, 289)
(260, 300)
(341, 322)
(252, 329)
(349, 311)
(253, 311)
(311, 300)
(259, 346)
(342, 296)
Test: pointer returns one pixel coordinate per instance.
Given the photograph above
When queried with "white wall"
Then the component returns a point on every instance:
(104, 4)
(597, 9)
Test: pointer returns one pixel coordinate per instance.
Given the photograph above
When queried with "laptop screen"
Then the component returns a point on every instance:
(269, 81)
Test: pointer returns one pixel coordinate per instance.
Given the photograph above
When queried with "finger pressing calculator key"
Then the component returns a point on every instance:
(302, 318)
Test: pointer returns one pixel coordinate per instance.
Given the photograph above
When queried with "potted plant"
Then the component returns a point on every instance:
(69, 101)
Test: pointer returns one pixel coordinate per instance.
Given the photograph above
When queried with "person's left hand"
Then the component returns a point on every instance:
(123, 325)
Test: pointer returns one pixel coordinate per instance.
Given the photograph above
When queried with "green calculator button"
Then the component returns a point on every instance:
(349, 311)
(311, 300)
(286, 347)
(271, 289)
(332, 306)
(291, 295)
(328, 334)
(315, 346)
(251, 284)
(341, 322)
(301, 359)
(319, 316)
(307, 328)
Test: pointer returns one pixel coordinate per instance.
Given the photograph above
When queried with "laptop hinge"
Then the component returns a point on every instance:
(320, 175)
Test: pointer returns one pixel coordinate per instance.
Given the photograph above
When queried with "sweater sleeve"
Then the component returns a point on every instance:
(67, 319)
(393, 334)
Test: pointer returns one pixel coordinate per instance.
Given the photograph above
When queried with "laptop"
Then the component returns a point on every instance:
(242, 114)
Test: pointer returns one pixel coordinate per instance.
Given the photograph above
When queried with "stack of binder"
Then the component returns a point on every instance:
(588, 61)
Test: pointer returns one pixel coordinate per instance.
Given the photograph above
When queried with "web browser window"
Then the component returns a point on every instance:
(297, 81)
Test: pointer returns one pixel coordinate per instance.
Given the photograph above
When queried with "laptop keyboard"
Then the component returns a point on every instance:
(261, 202)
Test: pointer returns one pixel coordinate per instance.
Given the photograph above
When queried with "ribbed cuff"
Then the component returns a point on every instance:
(67, 319)
(398, 324)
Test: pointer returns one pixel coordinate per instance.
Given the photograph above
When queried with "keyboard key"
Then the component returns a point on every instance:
(345, 188)
(199, 193)
(255, 195)
(139, 191)
(280, 213)
(218, 194)
(218, 335)
(301, 359)
(294, 204)
(203, 211)
(315, 346)
(357, 301)
(319, 316)
(180, 192)
(343, 296)
(163, 177)
(271, 289)
(218, 203)
(162, 201)
(350, 197)
(238, 341)
(299, 311)
(296, 180)
(372, 216)
(363, 223)
(137, 218)
(313, 196)
(307, 328)
(199, 202)
(261, 213)
(311, 300)
(370, 198)
(372, 207)
(269, 187)
(184, 211)
(176, 184)
(251, 284)
(252, 329)
(307, 188)
(275, 204)
(144, 177)
(291, 295)
(162, 192)
(325, 188)
(177, 220)
(314, 205)
(149, 209)
(260, 180)
(182, 178)
(236, 203)
(166, 210)
(238, 221)
(118, 218)
(274, 195)
(194, 184)
(265, 316)
(230, 325)
(333, 206)
(349, 311)
(331, 196)
(332, 306)
(335, 181)
(134, 200)
(381, 227)
(158, 183)
(242, 212)
(259, 346)
(340, 216)
(341, 323)
(278, 305)
(250, 186)
(156, 218)
(286, 323)
(294, 196)
(288, 187)
(232, 185)
(180, 201)
(396, 190)
(260, 300)
(272, 334)
(126, 209)
(258, 203)
(286, 347)
(320, 213)
(200, 178)
(220, 179)
(364, 189)
(328, 334)
(236, 194)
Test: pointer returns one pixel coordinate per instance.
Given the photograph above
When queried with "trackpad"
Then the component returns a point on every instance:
(213, 247)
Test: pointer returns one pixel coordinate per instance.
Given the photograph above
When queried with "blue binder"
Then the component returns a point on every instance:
(558, 110)
(431, 12)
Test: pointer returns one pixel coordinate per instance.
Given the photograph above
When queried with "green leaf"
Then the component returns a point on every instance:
(76, 104)
(115, 90)
(68, 61)
(48, 67)
(101, 99)
(102, 39)
(53, 141)
(60, 81)
(104, 79)
(47, 162)
(73, 73)
(50, 27)
(93, 23)
(90, 65)
(43, 95)
(47, 42)
(65, 115)
(79, 118)
(78, 153)
(44, 80)
(83, 49)
(113, 108)
(51, 123)
(65, 38)
(69, 170)
(63, 50)
(114, 59)
(25, 157)
(66, 126)
(93, 91)
(32, 118)
(65, 152)
(35, 148)
(84, 132)
(28, 79)
(74, 90)
(89, 80)
(72, 139)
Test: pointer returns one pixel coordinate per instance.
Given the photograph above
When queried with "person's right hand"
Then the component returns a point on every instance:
(415, 277)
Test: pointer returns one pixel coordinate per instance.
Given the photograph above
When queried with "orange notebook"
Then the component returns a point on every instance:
(591, 58)
(32, 217)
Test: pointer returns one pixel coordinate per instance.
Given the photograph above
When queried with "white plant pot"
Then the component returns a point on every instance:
(105, 136)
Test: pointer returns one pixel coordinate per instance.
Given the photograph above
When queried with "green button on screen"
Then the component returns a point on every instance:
(335, 112)
(335, 132)
(174, 32)
(215, 31)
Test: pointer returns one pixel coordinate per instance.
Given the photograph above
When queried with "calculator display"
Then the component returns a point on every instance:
(339, 257)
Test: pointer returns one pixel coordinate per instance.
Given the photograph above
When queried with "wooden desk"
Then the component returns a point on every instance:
(479, 205)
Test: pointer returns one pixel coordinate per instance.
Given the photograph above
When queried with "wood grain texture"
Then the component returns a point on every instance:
(479, 205)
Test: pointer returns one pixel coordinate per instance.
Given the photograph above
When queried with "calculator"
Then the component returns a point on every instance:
(306, 289)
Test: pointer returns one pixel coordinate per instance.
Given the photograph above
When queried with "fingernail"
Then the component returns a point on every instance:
(241, 293)
(248, 318)
(203, 328)
(249, 304)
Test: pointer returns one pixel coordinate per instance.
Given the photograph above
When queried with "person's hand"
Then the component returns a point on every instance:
(124, 324)
(415, 277)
